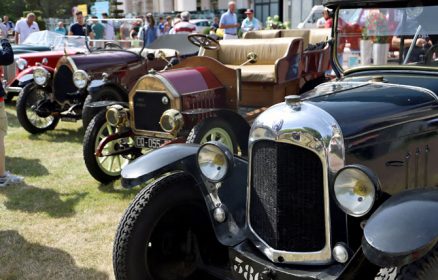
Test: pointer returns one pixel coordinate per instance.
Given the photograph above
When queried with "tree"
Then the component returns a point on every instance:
(57, 9)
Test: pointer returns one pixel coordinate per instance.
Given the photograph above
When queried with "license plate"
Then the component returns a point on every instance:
(146, 142)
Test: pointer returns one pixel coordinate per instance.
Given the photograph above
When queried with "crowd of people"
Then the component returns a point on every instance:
(142, 28)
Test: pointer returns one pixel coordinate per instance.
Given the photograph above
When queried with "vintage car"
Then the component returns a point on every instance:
(43, 48)
(213, 96)
(340, 183)
(106, 73)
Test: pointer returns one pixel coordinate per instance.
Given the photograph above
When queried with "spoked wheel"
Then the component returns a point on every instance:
(165, 235)
(115, 154)
(34, 110)
(214, 129)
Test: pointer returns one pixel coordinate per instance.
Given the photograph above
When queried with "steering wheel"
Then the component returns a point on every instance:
(112, 45)
(428, 57)
(201, 40)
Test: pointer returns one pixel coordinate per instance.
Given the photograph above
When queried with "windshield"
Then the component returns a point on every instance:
(387, 36)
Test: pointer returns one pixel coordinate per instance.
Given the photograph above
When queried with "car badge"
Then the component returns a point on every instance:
(277, 125)
(165, 100)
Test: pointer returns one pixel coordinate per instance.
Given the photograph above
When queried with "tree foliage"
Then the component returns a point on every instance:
(47, 8)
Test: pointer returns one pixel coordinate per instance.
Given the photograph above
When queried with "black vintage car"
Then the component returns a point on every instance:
(340, 183)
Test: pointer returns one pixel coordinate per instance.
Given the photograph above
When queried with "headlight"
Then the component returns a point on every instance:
(355, 190)
(80, 79)
(21, 63)
(214, 161)
(41, 76)
(171, 121)
(116, 115)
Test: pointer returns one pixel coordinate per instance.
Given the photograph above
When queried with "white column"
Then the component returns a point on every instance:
(222, 4)
(205, 4)
(185, 5)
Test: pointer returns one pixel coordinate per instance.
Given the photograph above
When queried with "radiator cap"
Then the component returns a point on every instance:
(293, 100)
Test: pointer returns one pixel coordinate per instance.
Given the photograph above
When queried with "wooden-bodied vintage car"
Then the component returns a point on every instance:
(340, 183)
(107, 72)
(213, 96)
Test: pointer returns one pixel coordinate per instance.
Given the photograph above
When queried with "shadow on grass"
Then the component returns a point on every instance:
(60, 135)
(26, 167)
(22, 259)
(110, 188)
(12, 120)
(31, 199)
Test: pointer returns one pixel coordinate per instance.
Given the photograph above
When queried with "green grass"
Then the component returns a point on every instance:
(59, 224)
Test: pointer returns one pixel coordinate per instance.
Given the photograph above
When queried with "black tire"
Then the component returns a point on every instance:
(106, 93)
(152, 238)
(105, 169)
(30, 120)
(202, 133)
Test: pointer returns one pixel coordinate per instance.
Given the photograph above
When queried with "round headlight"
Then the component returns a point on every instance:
(116, 115)
(355, 190)
(40, 76)
(171, 121)
(80, 79)
(21, 63)
(214, 161)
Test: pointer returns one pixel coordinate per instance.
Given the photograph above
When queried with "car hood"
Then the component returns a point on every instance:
(105, 59)
(363, 106)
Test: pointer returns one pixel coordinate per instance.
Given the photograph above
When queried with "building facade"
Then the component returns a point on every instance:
(293, 11)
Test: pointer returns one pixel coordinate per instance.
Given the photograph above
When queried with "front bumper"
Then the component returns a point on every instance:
(248, 263)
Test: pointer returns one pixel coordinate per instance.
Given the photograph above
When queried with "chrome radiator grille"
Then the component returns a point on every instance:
(287, 197)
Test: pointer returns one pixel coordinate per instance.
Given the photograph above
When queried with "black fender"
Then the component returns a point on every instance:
(26, 79)
(239, 125)
(231, 195)
(96, 85)
(403, 229)
(98, 105)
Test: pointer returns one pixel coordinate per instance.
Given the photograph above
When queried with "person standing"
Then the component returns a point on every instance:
(79, 28)
(97, 28)
(250, 23)
(149, 32)
(24, 27)
(60, 29)
(9, 24)
(109, 28)
(6, 178)
(229, 23)
(184, 26)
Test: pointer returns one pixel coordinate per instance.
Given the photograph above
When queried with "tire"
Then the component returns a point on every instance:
(165, 233)
(425, 268)
(106, 93)
(32, 121)
(213, 129)
(106, 168)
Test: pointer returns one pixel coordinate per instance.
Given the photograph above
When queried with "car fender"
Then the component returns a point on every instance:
(403, 229)
(230, 195)
(98, 105)
(96, 85)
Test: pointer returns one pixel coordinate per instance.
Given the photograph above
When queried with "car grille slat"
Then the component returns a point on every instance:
(63, 83)
(148, 108)
(287, 197)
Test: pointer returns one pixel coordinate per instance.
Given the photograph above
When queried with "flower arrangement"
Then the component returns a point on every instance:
(376, 27)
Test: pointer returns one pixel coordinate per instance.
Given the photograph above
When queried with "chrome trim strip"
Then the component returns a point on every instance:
(311, 128)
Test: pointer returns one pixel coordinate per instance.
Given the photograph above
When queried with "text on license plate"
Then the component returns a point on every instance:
(145, 142)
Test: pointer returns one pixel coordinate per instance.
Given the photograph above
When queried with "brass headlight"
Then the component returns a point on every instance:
(355, 190)
(172, 121)
(116, 115)
(41, 76)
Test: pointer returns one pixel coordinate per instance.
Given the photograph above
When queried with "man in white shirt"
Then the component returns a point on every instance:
(24, 27)
(3, 31)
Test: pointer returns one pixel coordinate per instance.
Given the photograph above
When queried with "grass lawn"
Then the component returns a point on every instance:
(61, 223)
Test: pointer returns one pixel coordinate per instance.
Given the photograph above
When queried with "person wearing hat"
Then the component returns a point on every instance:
(250, 23)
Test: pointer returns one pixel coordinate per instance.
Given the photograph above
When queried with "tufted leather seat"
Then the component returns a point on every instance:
(275, 58)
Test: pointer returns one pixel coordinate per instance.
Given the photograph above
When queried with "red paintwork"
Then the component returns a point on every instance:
(187, 80)
(52, 57)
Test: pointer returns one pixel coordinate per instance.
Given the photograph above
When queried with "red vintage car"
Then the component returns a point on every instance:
(213, 96)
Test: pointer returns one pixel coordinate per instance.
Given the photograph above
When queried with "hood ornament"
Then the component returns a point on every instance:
(293, 101)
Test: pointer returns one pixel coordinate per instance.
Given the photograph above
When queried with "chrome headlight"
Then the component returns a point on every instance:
(80, 79)
(214, 161)
(355, 190)
(116, 115)
(172, 121)
(41, 76)
(21, 63)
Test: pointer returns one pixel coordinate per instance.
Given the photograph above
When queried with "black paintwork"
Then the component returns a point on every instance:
(367, 3)
(410, 223)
